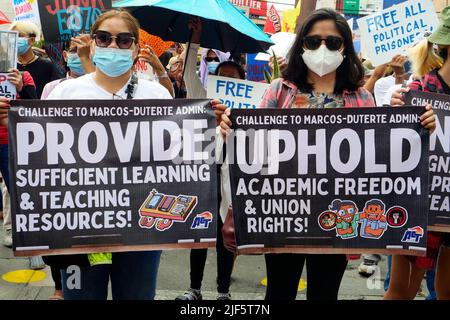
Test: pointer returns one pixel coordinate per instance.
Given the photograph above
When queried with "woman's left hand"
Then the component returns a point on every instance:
(219, 109)
(15, 77)
(428, 119)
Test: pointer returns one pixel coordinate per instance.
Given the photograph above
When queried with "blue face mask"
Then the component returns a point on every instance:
(212, 67)
(74, 64)
(112, 61)
(23, 46)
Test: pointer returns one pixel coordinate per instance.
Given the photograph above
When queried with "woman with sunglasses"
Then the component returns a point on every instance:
(323, 72)
(114, 51)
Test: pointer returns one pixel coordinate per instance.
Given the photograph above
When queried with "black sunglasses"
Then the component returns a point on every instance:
(209, 59)
(103, 39)
(333, 43)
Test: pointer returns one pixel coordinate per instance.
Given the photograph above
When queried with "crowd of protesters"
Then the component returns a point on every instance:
(101, 66)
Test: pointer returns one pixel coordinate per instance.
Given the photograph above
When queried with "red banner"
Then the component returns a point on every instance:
(273, 21)
(258, 8)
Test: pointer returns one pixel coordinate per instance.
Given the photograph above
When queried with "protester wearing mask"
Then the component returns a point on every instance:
(323, 51)
(77, 58)
(433, 70)
(42, 70)
(26, 89)
(114, 50)
(210, 60)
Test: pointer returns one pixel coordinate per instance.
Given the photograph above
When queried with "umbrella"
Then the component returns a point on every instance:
(4, 19)
(224, 26)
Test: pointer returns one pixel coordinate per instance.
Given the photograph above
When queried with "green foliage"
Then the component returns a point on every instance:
(276, 70)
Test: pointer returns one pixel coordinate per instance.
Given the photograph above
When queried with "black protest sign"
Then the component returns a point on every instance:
(61, 20)
(330, 180)
(102, 176)
(439, 217)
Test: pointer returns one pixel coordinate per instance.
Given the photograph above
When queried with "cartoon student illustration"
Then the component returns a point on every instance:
(372, 219)
(346, 218)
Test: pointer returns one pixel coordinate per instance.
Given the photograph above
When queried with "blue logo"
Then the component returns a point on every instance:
(202, 221)
(413, 235)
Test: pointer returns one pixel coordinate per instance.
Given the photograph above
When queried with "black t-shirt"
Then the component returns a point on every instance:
(444, 84)
(43, 71)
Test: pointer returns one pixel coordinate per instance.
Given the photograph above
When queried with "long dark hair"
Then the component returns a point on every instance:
(349, 75)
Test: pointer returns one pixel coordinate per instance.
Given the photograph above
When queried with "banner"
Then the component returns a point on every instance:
(7, 89)
(236, 93)
(106, 176)
(63, 20)
(255, 69)
(289, 20)
(439, 216)
(273, 21)
(330, 180)
(257, 8)
(26, 10)
(394, 30)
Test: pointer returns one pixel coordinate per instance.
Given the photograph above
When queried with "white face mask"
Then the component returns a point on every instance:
(322, 61)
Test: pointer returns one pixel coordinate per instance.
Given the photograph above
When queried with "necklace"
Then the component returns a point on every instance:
(29, 61)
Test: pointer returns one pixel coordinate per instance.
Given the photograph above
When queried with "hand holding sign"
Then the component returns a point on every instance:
(428, 120)
(148, 55)
(225, 124)
(219, 110)
(16, 79)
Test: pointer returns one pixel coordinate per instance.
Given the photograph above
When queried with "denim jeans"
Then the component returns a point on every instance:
(133, 277)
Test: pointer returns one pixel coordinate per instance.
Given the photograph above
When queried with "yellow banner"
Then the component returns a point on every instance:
(289, 20)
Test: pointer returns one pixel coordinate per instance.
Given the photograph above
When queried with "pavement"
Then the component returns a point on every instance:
(173, 278)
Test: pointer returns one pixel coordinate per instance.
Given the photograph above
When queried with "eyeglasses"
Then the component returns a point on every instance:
(209, 59)
(333, 43)
(103, 39)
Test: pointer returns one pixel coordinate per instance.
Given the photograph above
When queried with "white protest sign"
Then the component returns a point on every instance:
(235, 93)
(392, 31)
(144, 70)
(7, 89)
(26, 10)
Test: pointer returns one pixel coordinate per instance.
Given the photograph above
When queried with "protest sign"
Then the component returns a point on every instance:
(8, 50)
(7, 89)
(63, 20)
(255, 68)
(122, 175)
(236, 93)
(439, 216)
(26, 10)
(394, 30)
(330, 181)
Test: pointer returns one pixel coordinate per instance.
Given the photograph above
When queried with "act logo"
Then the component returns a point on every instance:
(202, 220)
(413, 235)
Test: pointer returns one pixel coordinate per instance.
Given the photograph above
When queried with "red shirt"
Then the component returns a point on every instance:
(27, 81)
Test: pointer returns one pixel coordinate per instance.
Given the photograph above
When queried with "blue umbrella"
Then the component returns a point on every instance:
(225, 27)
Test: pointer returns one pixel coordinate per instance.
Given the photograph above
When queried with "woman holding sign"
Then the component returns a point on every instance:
(114, 50)
(434, 70)
(322, 50)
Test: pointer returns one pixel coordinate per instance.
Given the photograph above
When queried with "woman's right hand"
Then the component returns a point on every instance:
(195, 24)
(225, 124)
(397, 98)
